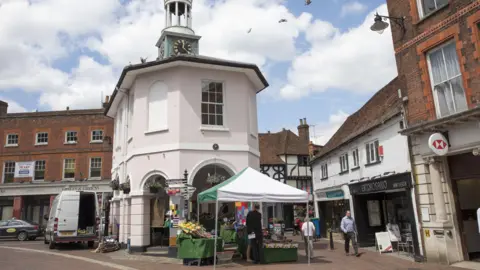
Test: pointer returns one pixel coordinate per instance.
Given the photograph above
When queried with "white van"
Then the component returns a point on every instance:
(73, 218)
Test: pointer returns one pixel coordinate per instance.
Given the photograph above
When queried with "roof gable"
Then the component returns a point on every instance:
(285, 142)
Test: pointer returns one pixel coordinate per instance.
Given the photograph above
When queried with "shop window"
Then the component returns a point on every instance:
(324, 170)
(12, 139)
(71, 137)
(97, 135)
(355, 158)
(344, 163)
(305, 185)
(69, 169)
(372, 152)
(427, 7)
(41, 138)
(302, 160)
(8, 171)
(212, 103)
(95, 168)
(446, 80)
(40, 166)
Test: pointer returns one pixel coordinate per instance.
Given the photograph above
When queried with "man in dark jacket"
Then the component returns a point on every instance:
(254, 227)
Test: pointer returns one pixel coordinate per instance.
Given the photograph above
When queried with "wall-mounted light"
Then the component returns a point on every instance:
(380, 23)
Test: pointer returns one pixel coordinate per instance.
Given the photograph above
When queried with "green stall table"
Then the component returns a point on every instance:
(197, 248)
(276, 253)
(229, 235)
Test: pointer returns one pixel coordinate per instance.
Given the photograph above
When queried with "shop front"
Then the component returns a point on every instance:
(465, 179)
(332, 204)
(384, 204)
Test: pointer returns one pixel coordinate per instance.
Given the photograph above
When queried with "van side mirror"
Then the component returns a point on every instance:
(45, 217)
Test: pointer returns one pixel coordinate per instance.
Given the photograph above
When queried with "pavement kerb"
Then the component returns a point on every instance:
(107, 264)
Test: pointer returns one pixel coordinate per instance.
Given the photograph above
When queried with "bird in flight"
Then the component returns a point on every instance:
(143, 60)
(282, 21)
(249, 30)
(308, 2)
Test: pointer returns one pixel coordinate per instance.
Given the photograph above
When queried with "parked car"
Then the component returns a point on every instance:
(19, 229)
(73, 218)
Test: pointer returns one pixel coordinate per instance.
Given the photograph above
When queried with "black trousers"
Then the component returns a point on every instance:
(350, 236)
(257, 248)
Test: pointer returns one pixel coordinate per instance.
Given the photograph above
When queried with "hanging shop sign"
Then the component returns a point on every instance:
(24, 169)
(397, 181)
(438, 144)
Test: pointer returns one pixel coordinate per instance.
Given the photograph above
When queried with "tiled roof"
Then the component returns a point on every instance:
(384, 105)
(284, 142)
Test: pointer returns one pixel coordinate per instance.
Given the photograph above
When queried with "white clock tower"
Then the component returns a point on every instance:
(178, 36)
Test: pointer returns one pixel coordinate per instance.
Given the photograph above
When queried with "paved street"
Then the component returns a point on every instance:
(36, 255)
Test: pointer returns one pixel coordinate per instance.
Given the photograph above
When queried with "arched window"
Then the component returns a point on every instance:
(157, 107)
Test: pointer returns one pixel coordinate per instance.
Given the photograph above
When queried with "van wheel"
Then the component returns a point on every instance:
(22, 236)
(90, 244)
(51, 245)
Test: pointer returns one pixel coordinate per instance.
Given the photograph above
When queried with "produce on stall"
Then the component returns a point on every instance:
(194, 242)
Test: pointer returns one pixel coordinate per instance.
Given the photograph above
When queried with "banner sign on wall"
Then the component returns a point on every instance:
(24, 169)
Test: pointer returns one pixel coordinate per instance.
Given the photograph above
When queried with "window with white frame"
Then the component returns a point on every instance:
(355, 157)
(12, 139)
(69, 169)
(446, 80)
(8, 171)
(429, 6)
(324, 170)
(41, 138)
(344, 163)
(158, 107)
(372, 152)
(97, 135)
(71, 137)
(120, 125)
(40, 166)
(95, 167)
(212, 103)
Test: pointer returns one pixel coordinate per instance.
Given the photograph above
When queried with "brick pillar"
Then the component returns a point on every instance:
(51, 200)
(17, 207)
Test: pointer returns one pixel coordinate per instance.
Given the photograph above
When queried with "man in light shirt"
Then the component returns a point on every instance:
(308, 230)
(349, 228)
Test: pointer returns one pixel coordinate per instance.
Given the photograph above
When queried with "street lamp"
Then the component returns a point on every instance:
(380, 23)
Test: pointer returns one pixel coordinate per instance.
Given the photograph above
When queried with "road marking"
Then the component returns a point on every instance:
(111, 265)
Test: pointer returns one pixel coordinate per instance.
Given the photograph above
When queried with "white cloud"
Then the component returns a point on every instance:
(13, 106)
(36, 34)
(357, 60)
(322, 132)
(354, 7)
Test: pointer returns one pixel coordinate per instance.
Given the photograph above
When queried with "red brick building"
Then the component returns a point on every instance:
(437, 52)
(43, 153)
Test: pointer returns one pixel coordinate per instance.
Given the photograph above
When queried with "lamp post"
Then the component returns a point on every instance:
(380, 23)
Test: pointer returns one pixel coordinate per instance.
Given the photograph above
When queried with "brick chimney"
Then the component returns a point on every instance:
(3, 108)
(304, 130)
(105, 103)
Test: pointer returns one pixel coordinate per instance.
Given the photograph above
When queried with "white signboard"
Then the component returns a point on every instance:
(438, 144)
(24, 169)
(383, 242)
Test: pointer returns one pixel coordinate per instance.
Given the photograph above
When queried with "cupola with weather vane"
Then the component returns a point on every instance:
(178, 37)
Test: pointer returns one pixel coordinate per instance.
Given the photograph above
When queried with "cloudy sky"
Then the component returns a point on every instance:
(322, 64)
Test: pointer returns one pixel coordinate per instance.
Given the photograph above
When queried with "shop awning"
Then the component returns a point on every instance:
(250, 185)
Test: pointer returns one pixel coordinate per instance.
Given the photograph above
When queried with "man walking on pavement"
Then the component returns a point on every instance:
(350, 230)
(255, 234)
(308, 230)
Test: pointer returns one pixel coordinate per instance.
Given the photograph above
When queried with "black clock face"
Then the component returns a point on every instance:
(182, 46)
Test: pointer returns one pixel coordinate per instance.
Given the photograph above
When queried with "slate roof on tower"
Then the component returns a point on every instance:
(285, 142)
(384, 105)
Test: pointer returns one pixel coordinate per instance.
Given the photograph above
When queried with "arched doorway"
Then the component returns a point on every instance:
(159, 204)
(205, 178)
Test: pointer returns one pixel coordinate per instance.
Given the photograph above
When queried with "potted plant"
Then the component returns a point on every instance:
(115, 185)
(154, 187)
(125, 187)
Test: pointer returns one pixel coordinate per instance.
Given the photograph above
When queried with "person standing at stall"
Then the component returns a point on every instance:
(254, 230)
(308, 231)
(349, 228)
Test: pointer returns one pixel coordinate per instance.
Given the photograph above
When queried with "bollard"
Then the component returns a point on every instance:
(331, 241)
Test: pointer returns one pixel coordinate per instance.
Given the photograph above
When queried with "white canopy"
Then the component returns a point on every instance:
(250, 185)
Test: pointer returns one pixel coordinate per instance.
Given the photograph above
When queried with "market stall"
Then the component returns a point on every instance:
(250, 185)
(195, 244)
